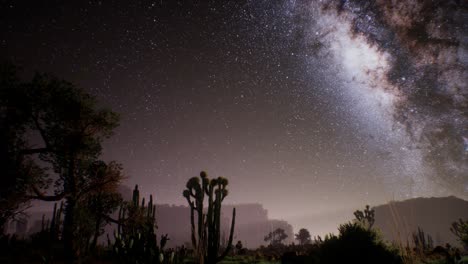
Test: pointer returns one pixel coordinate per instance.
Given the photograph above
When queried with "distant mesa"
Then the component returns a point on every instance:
(397, 220)
(252, 224)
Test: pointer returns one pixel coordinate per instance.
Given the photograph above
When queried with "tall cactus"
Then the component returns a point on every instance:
(135, 237)
(206, 239)
(53, 226)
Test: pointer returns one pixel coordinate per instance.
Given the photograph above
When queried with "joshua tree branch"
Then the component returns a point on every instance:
(231, 234)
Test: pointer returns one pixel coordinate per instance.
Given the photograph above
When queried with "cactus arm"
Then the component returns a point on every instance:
(154, 214)
(217, 221)
(209, 219)
(187, 194)
(231, 235)
(54, 215)
(136, 196)
(201, 218)
(150, 207)
(53, 224)
(192, 223)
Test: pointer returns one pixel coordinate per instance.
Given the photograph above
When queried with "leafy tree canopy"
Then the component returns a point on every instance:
(303, 236)
(51, 139)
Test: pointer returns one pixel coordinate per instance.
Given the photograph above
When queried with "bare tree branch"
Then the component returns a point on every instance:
(40, 196)
(33, 151)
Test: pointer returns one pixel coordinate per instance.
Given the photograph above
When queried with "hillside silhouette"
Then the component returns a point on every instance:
(398, 220)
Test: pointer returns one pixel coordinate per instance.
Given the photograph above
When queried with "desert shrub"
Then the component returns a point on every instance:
(356, 244)
(460, 230)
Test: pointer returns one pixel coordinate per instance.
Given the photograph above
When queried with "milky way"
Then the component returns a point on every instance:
(312, 108)
(403, 68)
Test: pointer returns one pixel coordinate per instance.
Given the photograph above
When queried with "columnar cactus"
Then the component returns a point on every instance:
(206, 239)
(135, 237)
(53, 227)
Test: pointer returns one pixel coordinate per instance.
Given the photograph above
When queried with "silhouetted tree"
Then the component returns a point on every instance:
(356, 244)
(70, 129)
(276, 237)
(206, 238)
(19, 172)
(303, 236)
(239, 247)
(101, 203)
(366, 217)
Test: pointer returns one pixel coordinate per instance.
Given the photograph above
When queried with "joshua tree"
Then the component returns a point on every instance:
(276, 237)
(206, 238)
(303, 236)
(366, 217)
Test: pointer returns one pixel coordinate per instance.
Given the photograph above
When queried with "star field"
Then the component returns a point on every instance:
(303, 105)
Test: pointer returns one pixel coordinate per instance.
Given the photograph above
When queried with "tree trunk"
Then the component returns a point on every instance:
(69, 221)
(68, 231)
(96, 233)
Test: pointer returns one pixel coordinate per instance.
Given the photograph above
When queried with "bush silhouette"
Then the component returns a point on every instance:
(356, 244)
(276, 237)
(460, 230)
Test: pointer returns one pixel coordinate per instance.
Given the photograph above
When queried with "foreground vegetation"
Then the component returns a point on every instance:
(50, 150)
(353, 244)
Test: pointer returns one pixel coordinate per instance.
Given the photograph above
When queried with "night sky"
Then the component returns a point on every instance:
(308, 107)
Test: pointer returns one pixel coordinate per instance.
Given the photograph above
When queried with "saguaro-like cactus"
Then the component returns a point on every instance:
(53, 226)
(135, 237)
(206, 238)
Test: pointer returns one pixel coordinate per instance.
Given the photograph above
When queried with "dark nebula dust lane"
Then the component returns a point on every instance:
(409, 59)
(308, 107)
